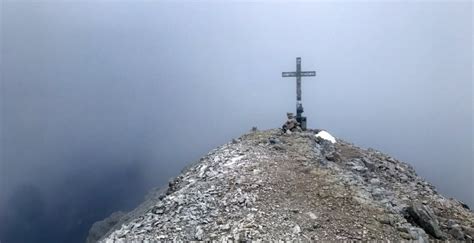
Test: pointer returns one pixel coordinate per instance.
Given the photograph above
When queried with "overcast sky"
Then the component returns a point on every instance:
(102, 101)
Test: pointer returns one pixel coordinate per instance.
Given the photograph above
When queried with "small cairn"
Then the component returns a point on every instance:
(291, 125)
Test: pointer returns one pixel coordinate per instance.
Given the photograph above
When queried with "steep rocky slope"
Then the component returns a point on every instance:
(272, 185)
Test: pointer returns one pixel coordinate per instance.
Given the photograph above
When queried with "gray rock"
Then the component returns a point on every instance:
(359, 168)
(369, 164)
(296, 229)
(426, 219)
(403, 178)
(199, 233)
(469, 231)
(374, 181)
(225, 227)
(274, 140)
(279, 147)
(388, 219)
(406, 236)
(312, 215)
(450, 223)
(418, 234)
(328, 150)
(456, 232)
(378, 193)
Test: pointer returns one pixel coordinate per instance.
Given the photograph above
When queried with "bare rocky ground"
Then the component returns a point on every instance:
(270, 185)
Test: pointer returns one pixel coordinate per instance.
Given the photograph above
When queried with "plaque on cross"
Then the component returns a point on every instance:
(298, 74)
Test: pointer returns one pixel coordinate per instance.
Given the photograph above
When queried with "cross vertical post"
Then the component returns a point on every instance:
(299, 105)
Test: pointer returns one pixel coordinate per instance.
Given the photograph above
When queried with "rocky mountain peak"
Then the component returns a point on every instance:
(277, 185)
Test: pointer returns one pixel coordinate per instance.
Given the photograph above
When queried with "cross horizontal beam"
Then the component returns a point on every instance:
(308, 73)
(295, 74)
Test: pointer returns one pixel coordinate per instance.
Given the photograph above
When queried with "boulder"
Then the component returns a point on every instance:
(423, 216)
(456, 232)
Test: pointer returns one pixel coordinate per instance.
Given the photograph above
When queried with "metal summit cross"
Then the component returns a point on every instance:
(298, 74)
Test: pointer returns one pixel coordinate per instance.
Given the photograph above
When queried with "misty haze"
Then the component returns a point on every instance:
(103, 101)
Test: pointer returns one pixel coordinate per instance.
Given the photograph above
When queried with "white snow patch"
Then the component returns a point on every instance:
(326, 136)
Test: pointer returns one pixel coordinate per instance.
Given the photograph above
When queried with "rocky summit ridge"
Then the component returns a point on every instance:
(276, 185)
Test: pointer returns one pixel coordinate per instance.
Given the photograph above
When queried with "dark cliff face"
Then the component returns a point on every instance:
(296, 185)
